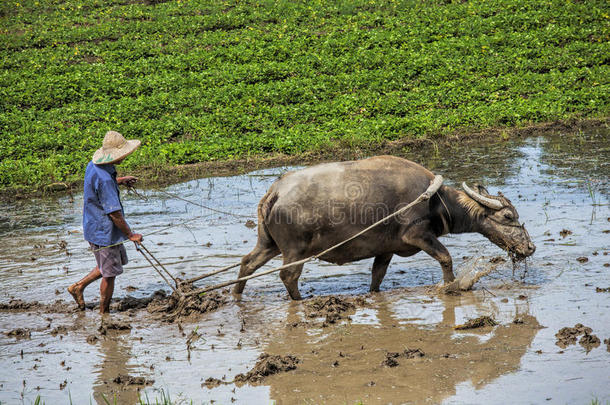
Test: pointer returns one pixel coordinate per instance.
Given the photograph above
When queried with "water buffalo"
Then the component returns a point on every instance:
(307, 211)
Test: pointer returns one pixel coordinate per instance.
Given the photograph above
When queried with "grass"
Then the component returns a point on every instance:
(163, 399)
(201, 80)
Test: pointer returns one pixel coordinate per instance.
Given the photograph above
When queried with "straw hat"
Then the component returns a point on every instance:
(114, 148)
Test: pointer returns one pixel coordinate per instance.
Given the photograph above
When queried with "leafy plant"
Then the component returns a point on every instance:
(199, 80)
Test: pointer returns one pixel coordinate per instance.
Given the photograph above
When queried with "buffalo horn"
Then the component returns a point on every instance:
(488, 202)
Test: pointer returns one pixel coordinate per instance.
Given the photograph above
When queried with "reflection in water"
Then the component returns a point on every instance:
(115, 351)
(343, 364)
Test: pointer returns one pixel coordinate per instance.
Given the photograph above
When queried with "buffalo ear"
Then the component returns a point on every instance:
(481, 190)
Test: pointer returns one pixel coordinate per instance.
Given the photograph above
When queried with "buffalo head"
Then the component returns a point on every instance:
(498, 220)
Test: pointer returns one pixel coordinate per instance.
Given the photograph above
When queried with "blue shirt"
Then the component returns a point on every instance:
(101, 197)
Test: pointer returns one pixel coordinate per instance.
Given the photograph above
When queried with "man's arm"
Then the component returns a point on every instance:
(128, 181)
(119, 221)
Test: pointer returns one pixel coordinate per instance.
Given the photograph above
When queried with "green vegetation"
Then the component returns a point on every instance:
(200, 80)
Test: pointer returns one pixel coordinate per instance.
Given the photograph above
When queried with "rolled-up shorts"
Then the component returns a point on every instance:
(110, 260)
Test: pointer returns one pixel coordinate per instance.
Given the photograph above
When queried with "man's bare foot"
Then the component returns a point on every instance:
(77, 294)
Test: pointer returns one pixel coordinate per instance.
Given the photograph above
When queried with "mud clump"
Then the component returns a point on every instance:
(172, 308)
(475, 323)
(564, 233)
(20, 305)
(124, 379)
(212, 382)
(266, 365)
(20, 333)
(331, 308)
(568, 336)
(589, 342)
(391, 358)
(108, 324)
(57, 307)
(607, 343)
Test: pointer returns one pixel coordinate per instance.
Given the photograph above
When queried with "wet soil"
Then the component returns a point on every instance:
(267, 365)
(555, 183)
(166, 308)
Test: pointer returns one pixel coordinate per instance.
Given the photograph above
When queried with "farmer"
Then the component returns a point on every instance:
(104, 225)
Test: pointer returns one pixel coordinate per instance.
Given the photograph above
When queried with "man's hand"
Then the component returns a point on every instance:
(128, 181)
(136, 237)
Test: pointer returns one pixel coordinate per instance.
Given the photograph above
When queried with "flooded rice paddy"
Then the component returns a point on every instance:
(397, 346)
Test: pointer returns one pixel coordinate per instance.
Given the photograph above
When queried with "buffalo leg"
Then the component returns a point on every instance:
(290, 277)
(431, 245)
(252, 261)
(380, 266)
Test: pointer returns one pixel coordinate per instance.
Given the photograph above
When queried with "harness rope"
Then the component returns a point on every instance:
(426, 195)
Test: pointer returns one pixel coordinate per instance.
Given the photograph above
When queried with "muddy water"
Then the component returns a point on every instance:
(556, 182)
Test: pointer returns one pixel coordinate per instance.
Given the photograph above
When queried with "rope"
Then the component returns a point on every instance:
(212, 273)
(426, 195)
(204, 206)
(133, 190)
(157, 231)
